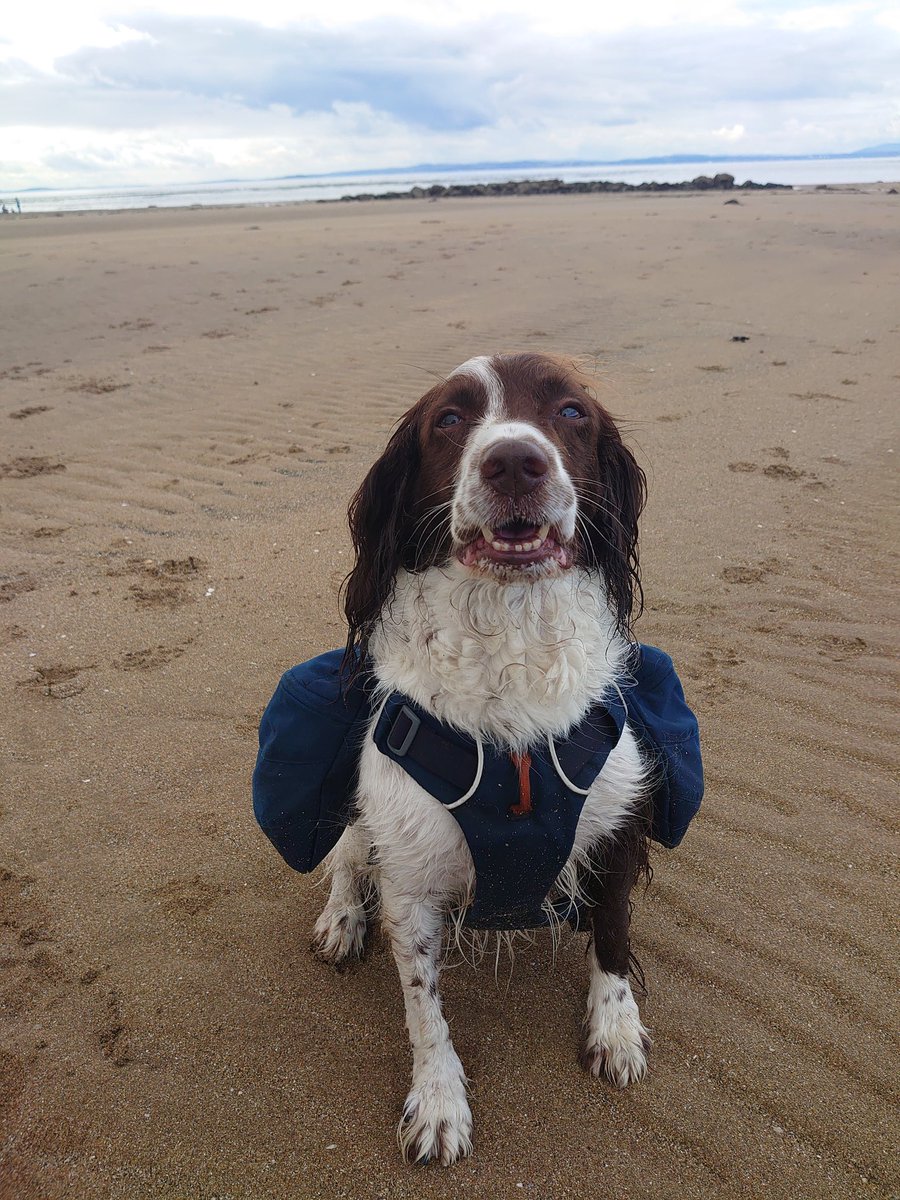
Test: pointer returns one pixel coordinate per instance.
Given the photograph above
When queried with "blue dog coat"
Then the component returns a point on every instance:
(309, 743)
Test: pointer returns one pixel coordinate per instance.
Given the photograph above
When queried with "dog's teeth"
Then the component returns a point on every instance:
(518, 545)
(501, 545)
(487, 534)
(542, 533)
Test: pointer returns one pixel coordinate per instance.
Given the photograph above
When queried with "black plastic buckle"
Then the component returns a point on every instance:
(407, 739)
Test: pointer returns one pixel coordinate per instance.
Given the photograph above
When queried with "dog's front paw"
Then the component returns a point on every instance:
(436, 1125)
(339, 935)
(615, 1044)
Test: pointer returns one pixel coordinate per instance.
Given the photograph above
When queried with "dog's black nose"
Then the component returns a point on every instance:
(514, 468)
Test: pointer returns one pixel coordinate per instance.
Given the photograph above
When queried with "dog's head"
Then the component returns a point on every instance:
(511, 466)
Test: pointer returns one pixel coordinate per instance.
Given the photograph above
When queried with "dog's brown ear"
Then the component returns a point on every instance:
(381, 523)
(612, 530)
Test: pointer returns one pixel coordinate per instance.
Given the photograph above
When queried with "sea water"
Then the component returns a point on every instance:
(333, 187)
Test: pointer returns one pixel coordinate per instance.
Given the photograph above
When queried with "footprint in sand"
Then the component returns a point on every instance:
(163, 585)
(94, 386)
(29, 465)
(31, 411)
(777, 470)
(249, 723)
(138, 323)
(57, 680)
(784, 471)
(158, 596)
(709, 676)
(188, 897)
(746, 574)
(839, 649)
(111, 1032)
(11, 588)
(721, 658)
(27, 951)
(207, 824)
(29, 371)
(149, 658)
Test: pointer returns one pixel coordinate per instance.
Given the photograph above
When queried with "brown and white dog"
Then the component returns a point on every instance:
(495, 579)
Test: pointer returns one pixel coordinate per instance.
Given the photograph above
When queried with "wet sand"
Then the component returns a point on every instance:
(187, 401)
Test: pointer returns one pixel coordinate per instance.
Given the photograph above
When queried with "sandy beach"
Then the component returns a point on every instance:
(188, 398)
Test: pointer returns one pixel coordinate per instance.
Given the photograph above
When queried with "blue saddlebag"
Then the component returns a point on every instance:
(668, 732)
(306, 770)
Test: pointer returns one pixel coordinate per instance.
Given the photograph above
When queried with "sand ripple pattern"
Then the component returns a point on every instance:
(188, 401)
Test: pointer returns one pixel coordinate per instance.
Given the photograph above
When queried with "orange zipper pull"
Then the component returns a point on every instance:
(522, 763)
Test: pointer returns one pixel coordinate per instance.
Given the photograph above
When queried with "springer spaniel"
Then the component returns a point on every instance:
(495, 578)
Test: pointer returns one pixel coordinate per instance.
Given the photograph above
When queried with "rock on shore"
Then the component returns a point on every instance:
(556, 187)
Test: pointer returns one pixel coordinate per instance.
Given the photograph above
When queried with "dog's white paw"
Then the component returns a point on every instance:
(615, 1044)
(339, 934)
(436, 1125)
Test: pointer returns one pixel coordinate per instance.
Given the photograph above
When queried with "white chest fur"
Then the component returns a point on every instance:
(510, 662)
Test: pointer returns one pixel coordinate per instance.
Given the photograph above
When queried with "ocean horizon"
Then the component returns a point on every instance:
(310, 188)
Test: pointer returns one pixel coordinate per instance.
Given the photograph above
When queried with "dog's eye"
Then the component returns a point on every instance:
(571, 412)
(448, 419)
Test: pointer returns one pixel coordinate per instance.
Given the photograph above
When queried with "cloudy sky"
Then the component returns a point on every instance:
(113, 92)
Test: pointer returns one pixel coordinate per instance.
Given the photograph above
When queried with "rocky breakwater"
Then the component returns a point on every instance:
(556, 187)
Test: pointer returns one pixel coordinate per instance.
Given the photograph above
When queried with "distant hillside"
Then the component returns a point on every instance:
(885, 150)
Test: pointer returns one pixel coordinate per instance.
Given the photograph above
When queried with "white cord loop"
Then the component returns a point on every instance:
(561, 773)
(479, 771)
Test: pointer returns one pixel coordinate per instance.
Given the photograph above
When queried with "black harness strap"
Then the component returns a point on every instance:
(444, 753)
(597, 729)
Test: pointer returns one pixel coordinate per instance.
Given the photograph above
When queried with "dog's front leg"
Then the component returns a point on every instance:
(615, 1042)
(436, 1122)
(340, 931)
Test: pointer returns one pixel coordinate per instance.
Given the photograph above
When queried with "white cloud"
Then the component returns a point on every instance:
(813, 17)
(37, 38)
(730, 133)
(199, 89)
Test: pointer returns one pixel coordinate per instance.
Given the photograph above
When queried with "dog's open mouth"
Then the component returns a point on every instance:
(515, 544)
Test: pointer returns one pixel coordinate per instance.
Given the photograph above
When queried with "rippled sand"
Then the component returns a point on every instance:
(187, 401)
